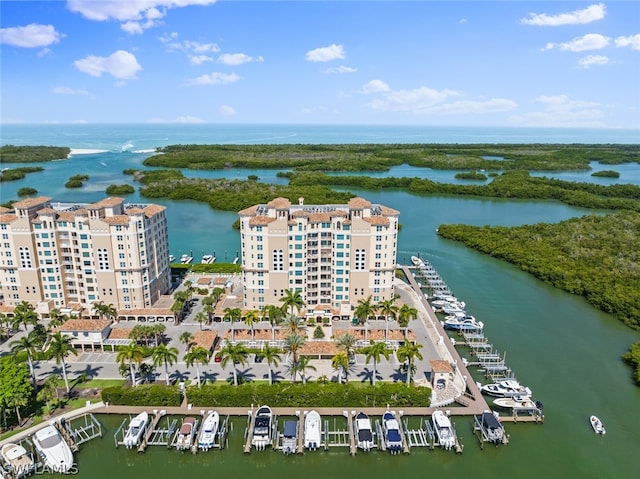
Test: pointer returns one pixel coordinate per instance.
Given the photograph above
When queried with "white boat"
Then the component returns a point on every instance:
(597, 425)
(172, 258)
(417, 261)
(136, 429)
(364, 434)
(491, 427)
(517, 403)
(505, 388)
(462, 323)
(184, 438)
(290, 437)
(444, 429)
(453, 308)
(18, 460)
(208, 259)
(312, 430)
(186, 259)
(391, 429)
(56, 453)
(261, 434)
(209, 431)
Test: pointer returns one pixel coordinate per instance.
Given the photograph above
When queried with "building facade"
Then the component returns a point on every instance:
(334, 255)
(53, 255)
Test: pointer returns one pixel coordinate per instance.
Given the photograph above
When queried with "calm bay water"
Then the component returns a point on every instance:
(567, 352)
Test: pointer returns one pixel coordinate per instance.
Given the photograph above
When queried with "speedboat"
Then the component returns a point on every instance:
(312, 427)
(56, 453)
(462, 323)
(444, 429)
(417, 261)
(517, 403)
(261, 435)
(186, 259)
(208, 259)
(184, 439)
(597, 425)
(505, 388)
(364, 435)
(209, 431)
(391, 429)
(453, 308)
(492, 428)
(19, 461)
(136, 429)
(290, 437)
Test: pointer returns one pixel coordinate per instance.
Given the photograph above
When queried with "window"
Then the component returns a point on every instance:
(360, 259)
(278, 260)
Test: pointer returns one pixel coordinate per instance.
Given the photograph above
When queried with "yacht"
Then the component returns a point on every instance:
(208, 259)
(290, 437)
(453, 308)
(209, 431)
(505, 388)
(312, 430)
(56, 453)
(136, 429)
(417, 261)
(391, 429)
(261, 435)
(462, 323)
(364, 435)
(517, 403)
(597, 425)
(444, 429)
(186, 259)
(184, 438)
(172, 258)
(18, 460)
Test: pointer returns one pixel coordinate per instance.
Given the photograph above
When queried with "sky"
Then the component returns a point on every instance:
(444, 63)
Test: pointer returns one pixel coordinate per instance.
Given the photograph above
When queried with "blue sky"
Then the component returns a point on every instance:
(507, 63)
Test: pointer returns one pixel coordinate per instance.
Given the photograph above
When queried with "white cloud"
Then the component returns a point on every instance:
(590, 14)
(462, 21)
(188, 119)
(33, 35)
(590, 41)
(136, 15)
(561, 111)
(326, 54)
(340, 69)
(632, 41)
(215, 78)
(200, 59)
(121, 65)
(227, 110)
(374, 86)
(589, 60)
(63, 90)
(198, 53)
(415, 100)
(238, 59)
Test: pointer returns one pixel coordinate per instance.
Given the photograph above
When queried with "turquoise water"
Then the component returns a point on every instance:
(567, 352)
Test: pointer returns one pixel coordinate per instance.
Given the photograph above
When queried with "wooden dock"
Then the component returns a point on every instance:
(353, 448)
(250, 422)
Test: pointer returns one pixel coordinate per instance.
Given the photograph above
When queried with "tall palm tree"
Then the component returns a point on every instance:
(56, 318)
(187, 338)
(158, 330)
(346, 342)
(234, 354)
(405, 314)
(233, 315)
(198, 355)
(98, 308)
(272, 356)
(389, 309)
(25, 314)
(130, 354)
(60, 347)
(409, 351)
(292, 345)
(251, 318)
(292, 325)
(363, 310)
(162, 355)
(29, 344)
(291, 300)
(217, 293)
(304, 364)
(200, 318)
(375, 351)
(340, 363)
(274, 315)
(110, 311)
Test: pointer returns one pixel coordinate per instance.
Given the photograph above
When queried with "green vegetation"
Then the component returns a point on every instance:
(471, 175)
(221, 268)
(632, 358)
(12, 174)
(26, 191)
(376, 157)
(143, 395)
(593, 256)
(76, 181)
(119, 189)
(606, 174)
(30, 154)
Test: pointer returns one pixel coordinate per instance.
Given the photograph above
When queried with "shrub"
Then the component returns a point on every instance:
(26, 191)
(143, 395)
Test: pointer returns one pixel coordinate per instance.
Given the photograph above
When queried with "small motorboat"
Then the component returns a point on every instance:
(186, 433)
(290, 437)
(209, 431)
(18, 460)
(261, 434)
(208, 259)
(364, 434)
(391, 429)
(172, 259)
(55, 452)
(186, 259)
(136, 429)
(597, 425)
(505, 388)
(444, 429)
(312, 430)
(517, 403)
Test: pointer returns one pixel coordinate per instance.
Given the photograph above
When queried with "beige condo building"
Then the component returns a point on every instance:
(53, 255)
(334, 255)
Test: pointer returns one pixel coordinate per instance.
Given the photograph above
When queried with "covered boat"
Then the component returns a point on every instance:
(290, 437)
(261, 434)
(364, 434)
(391, 429)
(184, 439)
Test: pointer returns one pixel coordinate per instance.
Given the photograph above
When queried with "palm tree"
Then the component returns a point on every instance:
(291, 300)
(272, 355)
(340, 363)
(236, 354)
(60, 347)
(304, 363)
(363, 310)
(110, 311)
(98, 308)
(162, 355)
(250, 318)
(200, 318)
(158, 331)
(198, 355)
(292, 325)
(25, 314)
(177, 308)
(208, 306)
(292, 345)
(49, 391)
(233, 315)
(346, 342)
(389, 309)
(17, 399)
(375, 351)
(274, 315)
(187, 338)
(29, 344)
(217, 293)
(408, 352)
(405, 314)
(56, 318)
(130, 354)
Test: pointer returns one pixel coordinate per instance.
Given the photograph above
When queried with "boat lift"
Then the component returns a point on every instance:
(156, 434)
(121, 432)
